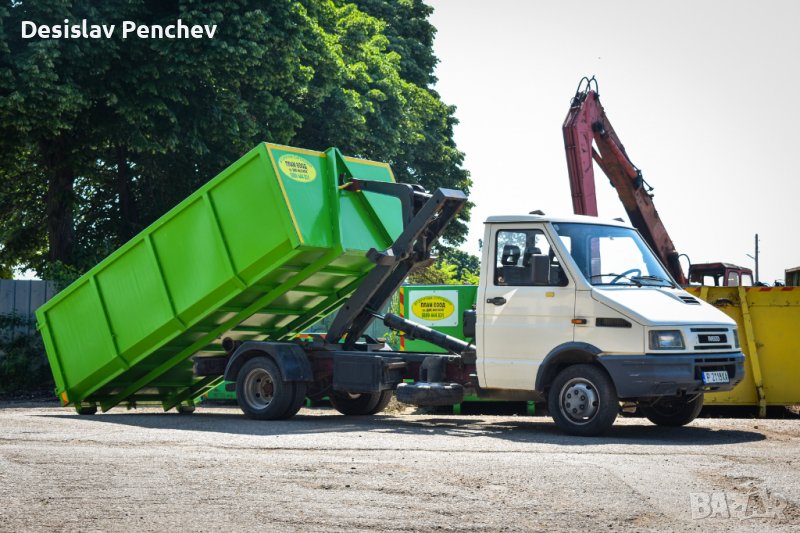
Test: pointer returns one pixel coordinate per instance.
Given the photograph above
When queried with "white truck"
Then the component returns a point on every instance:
(579, 313)
(575, 312)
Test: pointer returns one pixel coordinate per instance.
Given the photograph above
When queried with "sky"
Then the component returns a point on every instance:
(700, 93)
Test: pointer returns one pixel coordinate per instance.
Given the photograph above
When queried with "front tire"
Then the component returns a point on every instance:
(673, 411)
(583, 401)
(261, 392)
(360, 404)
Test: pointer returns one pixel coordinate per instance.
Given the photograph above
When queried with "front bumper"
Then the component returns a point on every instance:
(641, 376)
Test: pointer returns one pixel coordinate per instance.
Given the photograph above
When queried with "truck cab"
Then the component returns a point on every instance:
(720, 275)
(580, 313)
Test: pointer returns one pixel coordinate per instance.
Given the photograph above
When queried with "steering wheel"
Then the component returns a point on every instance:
(626, 273)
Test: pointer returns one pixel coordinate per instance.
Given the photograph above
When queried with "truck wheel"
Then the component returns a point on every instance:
(298, 400)
(185, 409)
(673, 410)
(360, 404)
(85, 410)
(260, 390)
(583, 401)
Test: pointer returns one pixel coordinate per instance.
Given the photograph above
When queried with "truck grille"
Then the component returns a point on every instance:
(711, 338)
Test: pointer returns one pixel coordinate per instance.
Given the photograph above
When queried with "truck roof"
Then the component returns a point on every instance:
(580, 219)
(715, 266)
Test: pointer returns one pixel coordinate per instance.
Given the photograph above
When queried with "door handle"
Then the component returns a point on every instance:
(497, 300)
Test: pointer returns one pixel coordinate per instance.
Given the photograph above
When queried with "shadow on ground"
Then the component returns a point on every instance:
(519, 430)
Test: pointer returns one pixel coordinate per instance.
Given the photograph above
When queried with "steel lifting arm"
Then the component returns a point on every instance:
(427, 219)
(578, 139)
(587, 123)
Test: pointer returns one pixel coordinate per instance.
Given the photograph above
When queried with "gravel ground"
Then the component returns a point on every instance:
(151, 471)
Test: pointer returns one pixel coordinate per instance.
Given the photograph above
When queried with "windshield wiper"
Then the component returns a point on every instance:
(616, 277)
(650, 277)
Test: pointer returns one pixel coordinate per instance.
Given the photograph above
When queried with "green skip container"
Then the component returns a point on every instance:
(260, 252)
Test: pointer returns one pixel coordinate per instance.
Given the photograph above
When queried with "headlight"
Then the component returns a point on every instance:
(735, 338)
(666, 340)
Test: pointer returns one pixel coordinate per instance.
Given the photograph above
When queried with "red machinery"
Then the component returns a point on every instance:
(587, 123)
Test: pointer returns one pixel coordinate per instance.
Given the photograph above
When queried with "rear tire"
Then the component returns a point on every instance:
(298, 400)
(86, 410)
(583, 401)
(185, 409)
(673, 411)
(261, 392)
(360, 404)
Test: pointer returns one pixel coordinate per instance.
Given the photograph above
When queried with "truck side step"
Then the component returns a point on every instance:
(430, 394)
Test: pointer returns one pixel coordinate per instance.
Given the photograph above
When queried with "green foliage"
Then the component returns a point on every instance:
(467, 266)
(410, 35)
(23, 365)
(453, 267)
(60, 274)
(99, 137)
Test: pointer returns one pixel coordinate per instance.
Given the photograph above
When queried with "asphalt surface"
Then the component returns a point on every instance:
(146, 470)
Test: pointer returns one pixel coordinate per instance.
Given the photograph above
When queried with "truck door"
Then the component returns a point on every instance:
(528, 304)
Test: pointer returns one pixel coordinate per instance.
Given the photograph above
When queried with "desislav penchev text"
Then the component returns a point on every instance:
(128, 29)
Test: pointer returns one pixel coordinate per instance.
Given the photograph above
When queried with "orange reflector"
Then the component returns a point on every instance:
(64, 399)
(579, 321)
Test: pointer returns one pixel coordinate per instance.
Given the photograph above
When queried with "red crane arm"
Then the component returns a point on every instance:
(578, 139)
(587, 123)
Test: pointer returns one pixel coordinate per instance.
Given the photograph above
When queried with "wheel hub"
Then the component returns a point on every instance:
(259, 388)
(579, 400)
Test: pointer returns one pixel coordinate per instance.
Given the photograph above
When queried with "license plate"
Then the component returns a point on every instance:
(720, 376)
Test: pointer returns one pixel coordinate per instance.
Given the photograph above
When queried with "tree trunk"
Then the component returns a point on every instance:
(60, 201)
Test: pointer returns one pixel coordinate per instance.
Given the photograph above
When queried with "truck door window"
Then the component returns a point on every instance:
(525, 258)
(733, 279)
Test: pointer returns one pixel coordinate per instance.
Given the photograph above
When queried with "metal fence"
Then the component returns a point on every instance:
(21, 298)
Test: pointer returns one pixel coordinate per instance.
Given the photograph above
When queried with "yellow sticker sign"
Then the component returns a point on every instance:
(297, 168)
(433, 308)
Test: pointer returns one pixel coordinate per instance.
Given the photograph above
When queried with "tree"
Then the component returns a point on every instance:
(410, 35)
(467, 266)
(48, 91)
(98, 138)
(453, 267)
(373, 111)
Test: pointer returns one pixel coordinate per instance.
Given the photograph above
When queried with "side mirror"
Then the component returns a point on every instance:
(469, 319)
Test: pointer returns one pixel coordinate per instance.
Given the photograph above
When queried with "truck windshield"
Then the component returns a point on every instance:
(611, 255)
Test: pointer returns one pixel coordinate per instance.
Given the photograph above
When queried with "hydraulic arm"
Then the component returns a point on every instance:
(425, 217)
(587, 123)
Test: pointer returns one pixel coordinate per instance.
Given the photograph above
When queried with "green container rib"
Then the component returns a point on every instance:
(265, 249)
